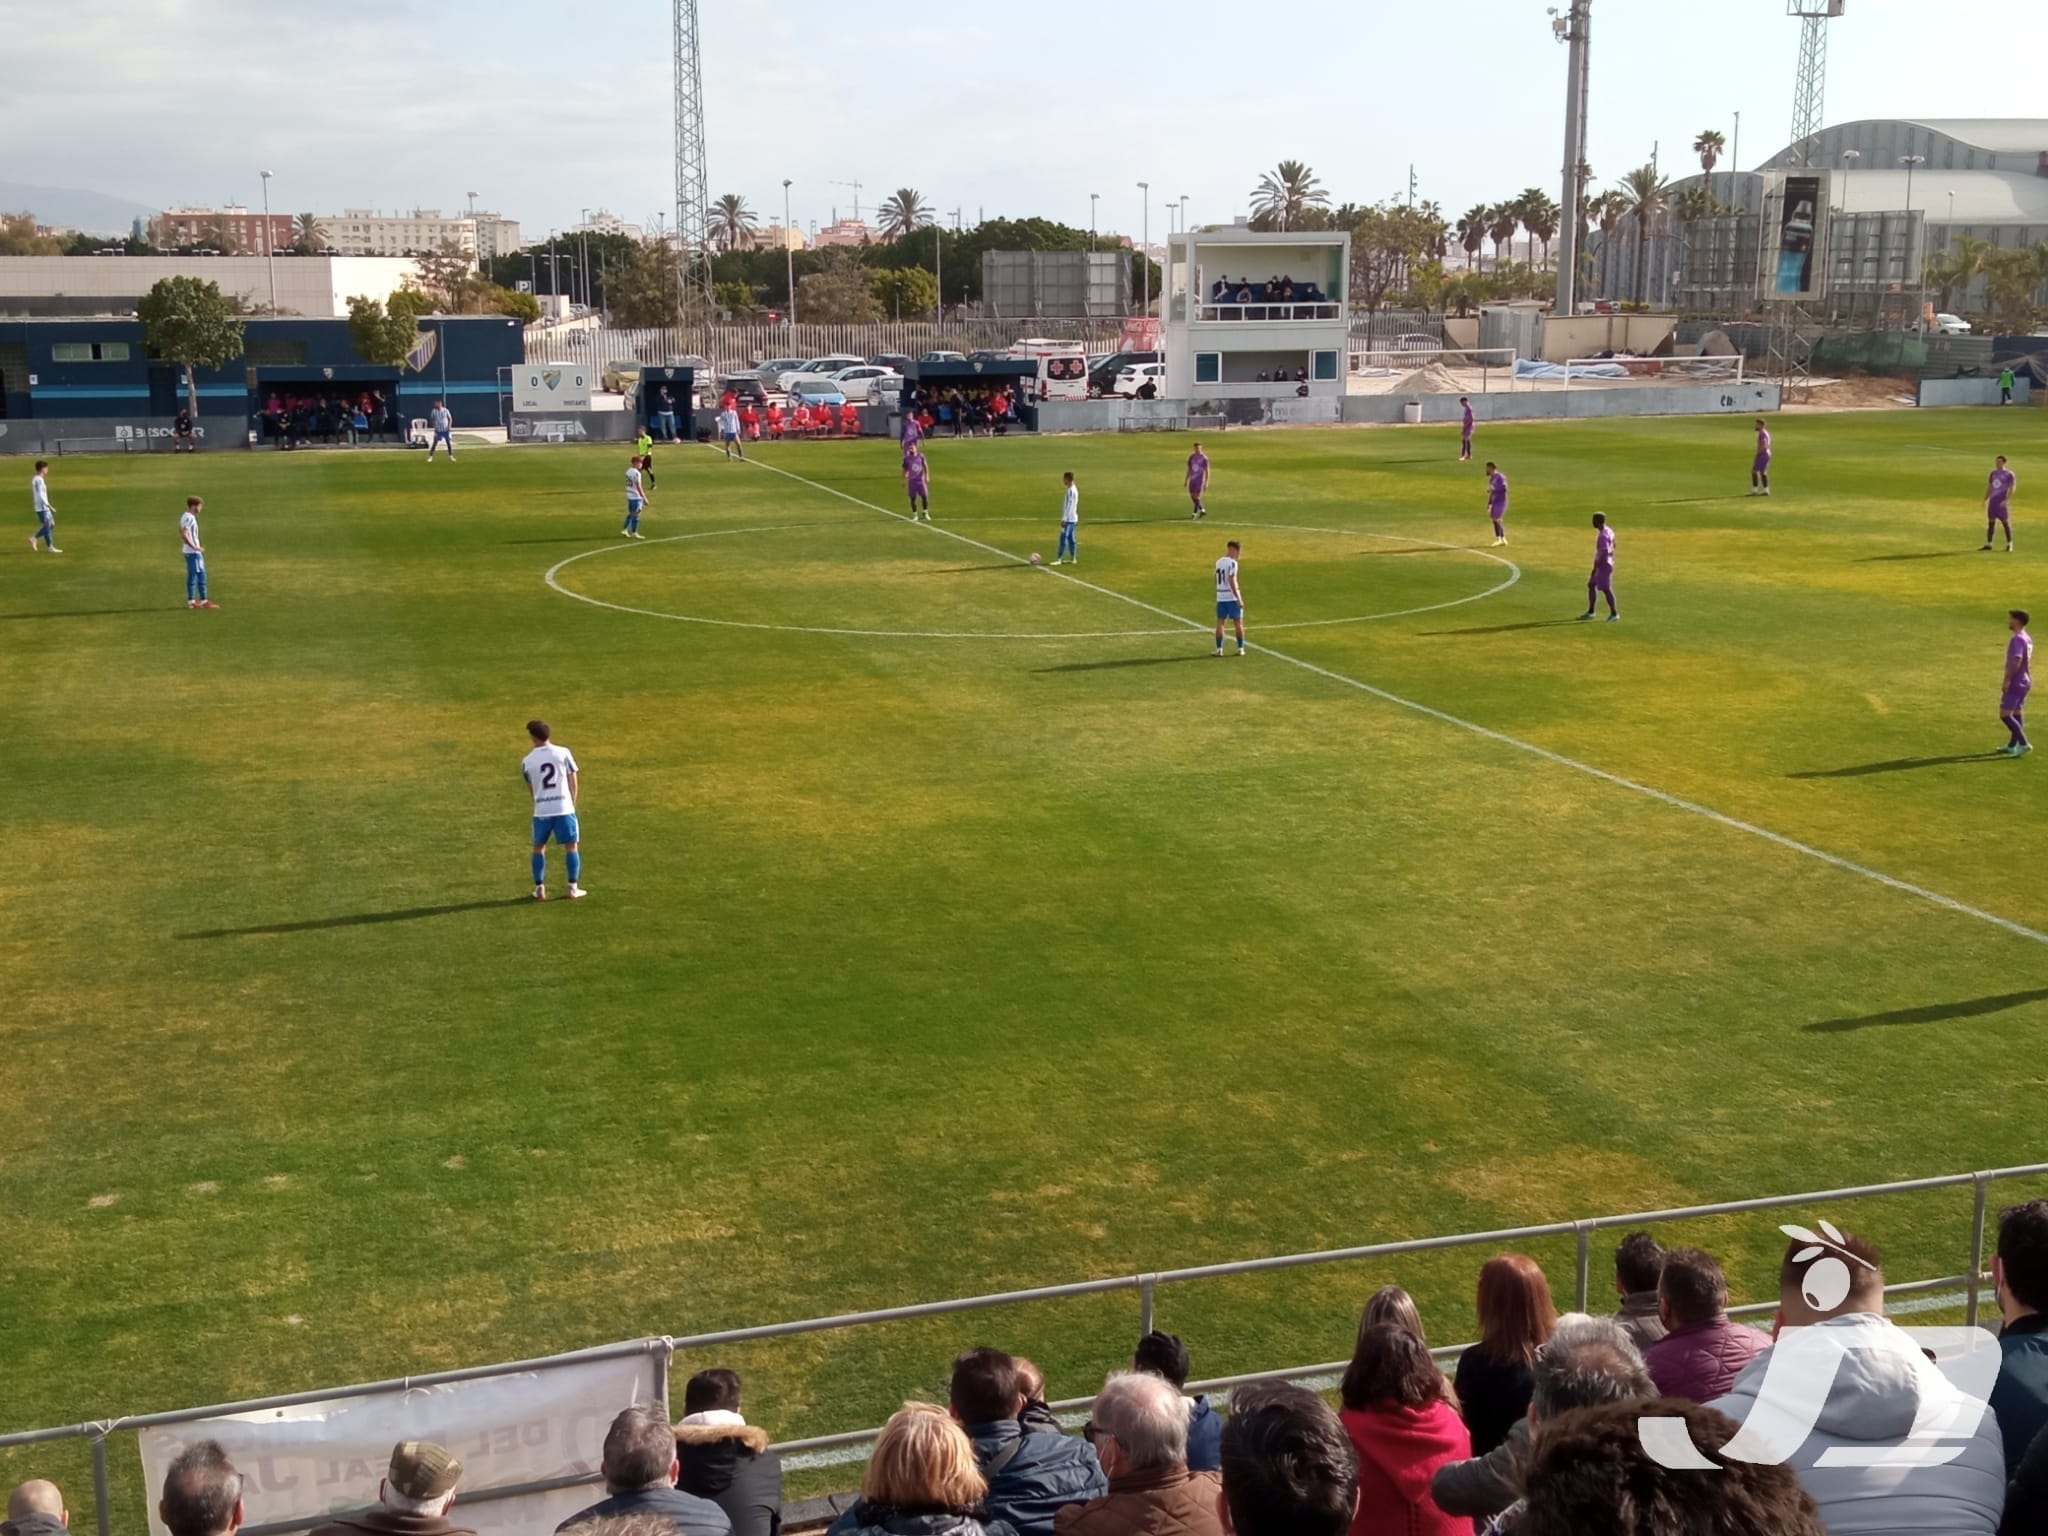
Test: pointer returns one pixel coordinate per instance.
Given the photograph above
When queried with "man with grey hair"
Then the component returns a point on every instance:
(35, 1508)
(640, 1469)
(1140, 1432)
(202, 1493)
(1588, 1361)
(413, 1499)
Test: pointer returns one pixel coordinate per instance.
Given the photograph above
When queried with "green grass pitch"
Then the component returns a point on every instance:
(1022, 943)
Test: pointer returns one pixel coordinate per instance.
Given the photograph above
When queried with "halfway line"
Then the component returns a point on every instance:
(1677, 802)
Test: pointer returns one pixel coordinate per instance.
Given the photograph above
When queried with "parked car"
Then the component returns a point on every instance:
(620, 377)
(816, 390)
(860, 381)
(1415, 341)
(943, 357)
(1102, 371)
(821, 367)
(1130, 380)
(1951, 325)
(748, 386)
(895, 362)
(773, 369)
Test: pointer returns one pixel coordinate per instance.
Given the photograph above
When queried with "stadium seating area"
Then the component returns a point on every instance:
(1535, 1431)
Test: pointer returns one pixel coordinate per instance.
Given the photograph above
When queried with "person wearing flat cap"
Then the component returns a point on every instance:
(412, 1500)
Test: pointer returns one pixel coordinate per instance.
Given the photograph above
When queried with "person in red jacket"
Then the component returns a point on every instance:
(800, 419)
(774, 420)
(849, 419)
(1403, 1430)
(750, 422)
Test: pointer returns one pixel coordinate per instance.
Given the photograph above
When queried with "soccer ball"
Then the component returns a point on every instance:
(1034, 557)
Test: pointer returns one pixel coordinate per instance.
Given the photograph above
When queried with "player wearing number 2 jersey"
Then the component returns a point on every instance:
(551, 775)
(1229, 597)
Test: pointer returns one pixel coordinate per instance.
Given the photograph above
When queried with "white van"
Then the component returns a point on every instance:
(1062, 368)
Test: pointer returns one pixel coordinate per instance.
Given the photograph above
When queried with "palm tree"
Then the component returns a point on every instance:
(1472, 233)
(309, 235)
(1502, 221)
(1605, 210)
(904, 212)
(1709, 146)
(732, 222)
(1966, 263)
(1645, 196)
(1539, 214)
(1287, 192)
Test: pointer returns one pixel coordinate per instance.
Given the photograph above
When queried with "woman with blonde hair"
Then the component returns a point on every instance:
(921, 1481)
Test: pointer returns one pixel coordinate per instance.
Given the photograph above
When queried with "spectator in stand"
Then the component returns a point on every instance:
(723, 1458)
(1878, 1384)
(1140, 1431)
(2026, 1493)
(774, 421)
(1589, 1473)
(1703, 1350)
(35, 1508)
(2020, 1275)
(1588, 1361)
(1036, 1415)
(849, 419)
(1288, 1466)
(1164, 1355)
(1030, 1476)
(640, 1468)
(1403, 1430)
(1515, 1318)
(1391, 1304)
(202, 1493)
(1244, 291)
(1638, 1261)
(921, 1481)
(413, 1499)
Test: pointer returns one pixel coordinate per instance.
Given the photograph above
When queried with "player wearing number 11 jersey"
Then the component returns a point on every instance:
(551, 775)
(1229, 597)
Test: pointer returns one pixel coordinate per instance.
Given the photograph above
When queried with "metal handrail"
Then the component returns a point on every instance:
(1146, 1284)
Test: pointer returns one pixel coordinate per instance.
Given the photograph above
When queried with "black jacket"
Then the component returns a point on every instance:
(33, 1525)
(390, 1522)
(731, 1465)
(1493, 1394)
(690, 1515)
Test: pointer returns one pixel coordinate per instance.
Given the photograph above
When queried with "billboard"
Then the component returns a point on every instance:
(551, 387)
(1794, 245)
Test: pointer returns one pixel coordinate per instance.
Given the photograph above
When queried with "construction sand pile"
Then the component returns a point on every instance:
(1435, 379)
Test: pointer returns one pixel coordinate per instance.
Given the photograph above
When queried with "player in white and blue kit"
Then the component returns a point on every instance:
(636, 498)
(551, 774)
(729, 433)
(442, 425)
(1070, 522)
(1229, 597)
(46, 515)
(195, 556)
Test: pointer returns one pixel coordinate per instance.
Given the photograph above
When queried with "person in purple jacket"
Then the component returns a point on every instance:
(1497, 502)
(1998, 503)
(1760, 466)
(1198, 480)
(913, 434)
(2019, 679)
(1602, 579)
(1465, 430)
(917, 479)
(1705, 1349)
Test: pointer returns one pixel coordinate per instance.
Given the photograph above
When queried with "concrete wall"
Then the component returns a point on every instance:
(317, 287)
(1971, 391)
(1568, 336)
(1360, 410)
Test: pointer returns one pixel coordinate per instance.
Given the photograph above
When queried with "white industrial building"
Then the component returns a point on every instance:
(1225, 338)
(318, 287)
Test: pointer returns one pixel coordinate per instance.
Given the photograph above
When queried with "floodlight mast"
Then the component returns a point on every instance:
(1809, 82)
(1574, 29)
(693, 178)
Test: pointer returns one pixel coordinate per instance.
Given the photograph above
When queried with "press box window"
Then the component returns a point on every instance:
(1325, 365)
(1208, 367)
(88, 351)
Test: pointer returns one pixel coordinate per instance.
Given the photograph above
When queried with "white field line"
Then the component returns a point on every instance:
(1676, 802)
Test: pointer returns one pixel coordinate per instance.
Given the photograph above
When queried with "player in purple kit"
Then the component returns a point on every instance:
(2019, 678)
(1465, 430)
(1998, 504)
(1198, 479)
(1760, 466)
(917, 479)
(1602, 579)
(1497, 502)
(913, 434)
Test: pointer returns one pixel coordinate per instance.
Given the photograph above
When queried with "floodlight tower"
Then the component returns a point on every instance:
(1810, 83)
(1575, 30)
(693, 177)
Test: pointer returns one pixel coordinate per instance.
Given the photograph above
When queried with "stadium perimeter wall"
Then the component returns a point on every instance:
(1972, 391)
(1746, 398)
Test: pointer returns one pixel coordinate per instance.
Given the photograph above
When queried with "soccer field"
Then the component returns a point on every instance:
(957, 925)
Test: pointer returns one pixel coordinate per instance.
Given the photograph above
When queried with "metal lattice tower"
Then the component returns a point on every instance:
(1810, 83)
(693, 176)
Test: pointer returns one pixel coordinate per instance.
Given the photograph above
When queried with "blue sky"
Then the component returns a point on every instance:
(546, 109)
